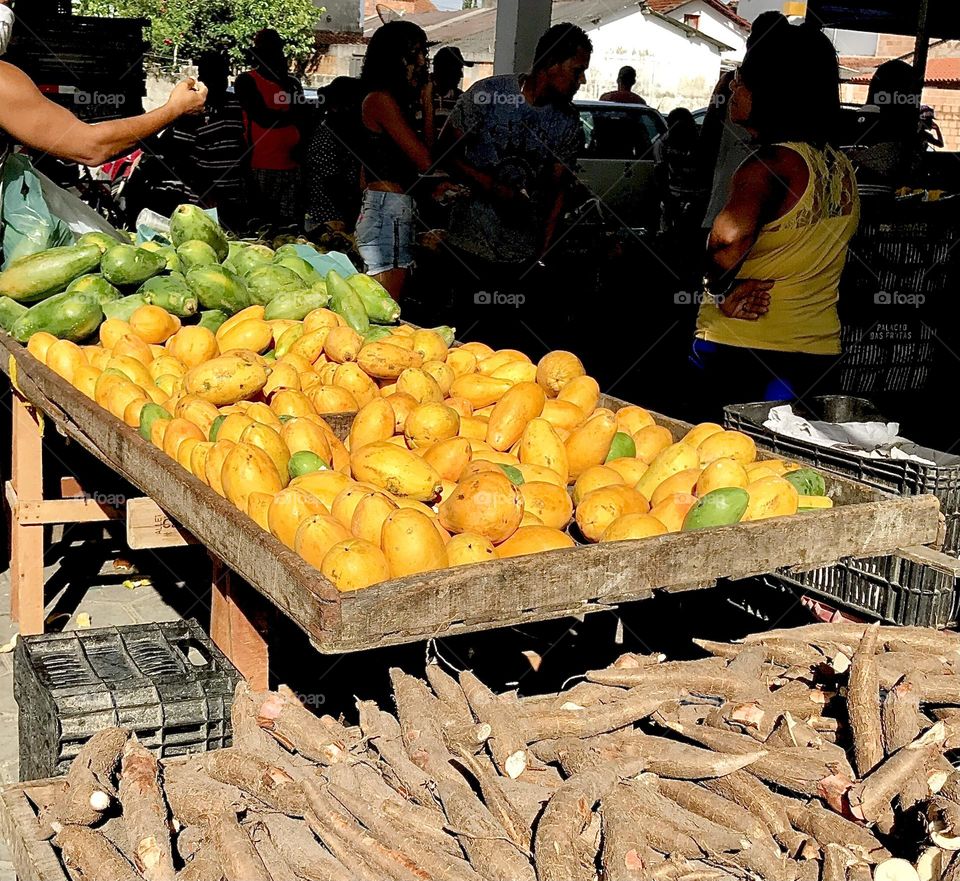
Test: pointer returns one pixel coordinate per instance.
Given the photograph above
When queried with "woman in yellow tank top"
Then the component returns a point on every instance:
(768, 327)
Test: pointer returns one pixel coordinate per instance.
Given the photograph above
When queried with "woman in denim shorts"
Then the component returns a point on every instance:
(398, 125)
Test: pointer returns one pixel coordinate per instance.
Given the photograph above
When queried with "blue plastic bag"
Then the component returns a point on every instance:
(28, 225)
(323, 263)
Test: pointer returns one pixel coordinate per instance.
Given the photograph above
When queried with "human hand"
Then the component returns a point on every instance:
(747, 300)
(189, 96)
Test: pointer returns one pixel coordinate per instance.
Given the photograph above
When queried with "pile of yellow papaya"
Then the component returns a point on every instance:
(456, 454)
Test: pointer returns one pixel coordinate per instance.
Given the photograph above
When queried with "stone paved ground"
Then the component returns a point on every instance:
(80, 580)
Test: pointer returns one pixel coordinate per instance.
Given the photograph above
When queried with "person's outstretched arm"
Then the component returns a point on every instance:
(32, 120)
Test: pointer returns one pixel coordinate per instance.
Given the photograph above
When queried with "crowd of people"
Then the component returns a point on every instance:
(762, 197)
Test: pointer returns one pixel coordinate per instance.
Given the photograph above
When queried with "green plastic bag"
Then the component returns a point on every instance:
(28, 225)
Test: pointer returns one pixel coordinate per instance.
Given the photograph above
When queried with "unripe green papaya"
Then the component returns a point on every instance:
(124, 307)
(248, 257)
(101, 239)
(68, 316)
(47, 272)
(720, 507)
(212, 319)
(148, 415)
(267, 282)
(379, 305)
(346, 303)
(196, 253)
(10, 311)
(295, 305)
(300, 266)
(807, 482)
(218, 288)
(96, 284)
(129, 265)
(190, 222)
(172, 293)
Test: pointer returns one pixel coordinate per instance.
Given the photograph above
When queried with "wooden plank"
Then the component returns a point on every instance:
(422, 605)
(493, 594)
(148, 526)
(70, 488)
(934, 559)
(42, 511)
(26, 541)
(282, 576)
(33, 859)
(238, 624)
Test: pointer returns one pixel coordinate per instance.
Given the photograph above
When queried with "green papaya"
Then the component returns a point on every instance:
(346, 303)
(267, 282)
(218, 288)
(287, 339)
(248, 257)
(295, 305)
(305, 462)
(514, 475)
(128, 265)
(215, 427)
(375, 334)
(446, 333)
(47, 272)
(212, 319)
(102, 240)
(807, 482)
(190, 222)
(196, 253)
(10, 311)
(381, 308)
(623, 446)
(148, 415)
(300, 266)
(169, 253)
(172, 293)
(151, 246)
(720, 507)
(68, 316)
(285, 249)
(124, 307)
(98, 285)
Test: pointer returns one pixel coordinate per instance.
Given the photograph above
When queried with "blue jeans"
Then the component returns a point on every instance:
(385, 232)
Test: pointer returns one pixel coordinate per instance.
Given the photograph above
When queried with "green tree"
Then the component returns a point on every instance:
(193, 27)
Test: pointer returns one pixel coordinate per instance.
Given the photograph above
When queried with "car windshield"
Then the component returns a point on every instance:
(618, 132)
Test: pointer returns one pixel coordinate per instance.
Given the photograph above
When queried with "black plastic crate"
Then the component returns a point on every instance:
(890, 475)
(166, 682)
(897, 296)
(891, 589)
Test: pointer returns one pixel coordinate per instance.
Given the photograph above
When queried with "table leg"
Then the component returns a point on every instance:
(238, 623)
(26, 542)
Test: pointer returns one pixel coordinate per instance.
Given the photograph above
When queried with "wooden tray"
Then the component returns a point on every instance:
(499, 593)
(33, 858)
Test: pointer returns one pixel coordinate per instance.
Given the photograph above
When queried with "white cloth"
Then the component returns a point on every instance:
(7, 20)
(873, 440)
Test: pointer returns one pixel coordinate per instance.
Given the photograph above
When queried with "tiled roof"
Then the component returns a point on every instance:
(941, 72)
(667, 6)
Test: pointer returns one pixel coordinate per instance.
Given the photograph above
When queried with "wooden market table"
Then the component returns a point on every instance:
(550, 585)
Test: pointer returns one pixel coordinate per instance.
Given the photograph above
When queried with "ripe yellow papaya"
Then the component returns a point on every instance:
(584, 391)
(519, 405)
(248, 469)
(541, 445)
(430, 423)
(555, 370)
(598, 509)
(589, 444)
(486, 503)
(374, 421)
(396, 470)
(534, 540)
(468, 547)
(411, 543)
(675, 458)
(547, 501)
(225, 380)
(355, 564)
(288, 509)
(316, 535)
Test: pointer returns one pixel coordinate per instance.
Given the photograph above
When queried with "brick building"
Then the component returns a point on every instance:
(941, 87)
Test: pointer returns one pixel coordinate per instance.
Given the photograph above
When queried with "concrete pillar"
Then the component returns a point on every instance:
(520, 23)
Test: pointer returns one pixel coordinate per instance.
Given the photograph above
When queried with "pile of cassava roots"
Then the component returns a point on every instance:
(818, 753)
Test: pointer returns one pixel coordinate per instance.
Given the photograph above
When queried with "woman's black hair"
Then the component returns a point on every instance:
(558, 44)
(794, 80)
(391, 48)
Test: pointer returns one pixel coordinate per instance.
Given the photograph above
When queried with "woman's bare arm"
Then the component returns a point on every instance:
(30, 119)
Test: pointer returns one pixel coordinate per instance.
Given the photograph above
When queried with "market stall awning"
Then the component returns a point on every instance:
(887, 16)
